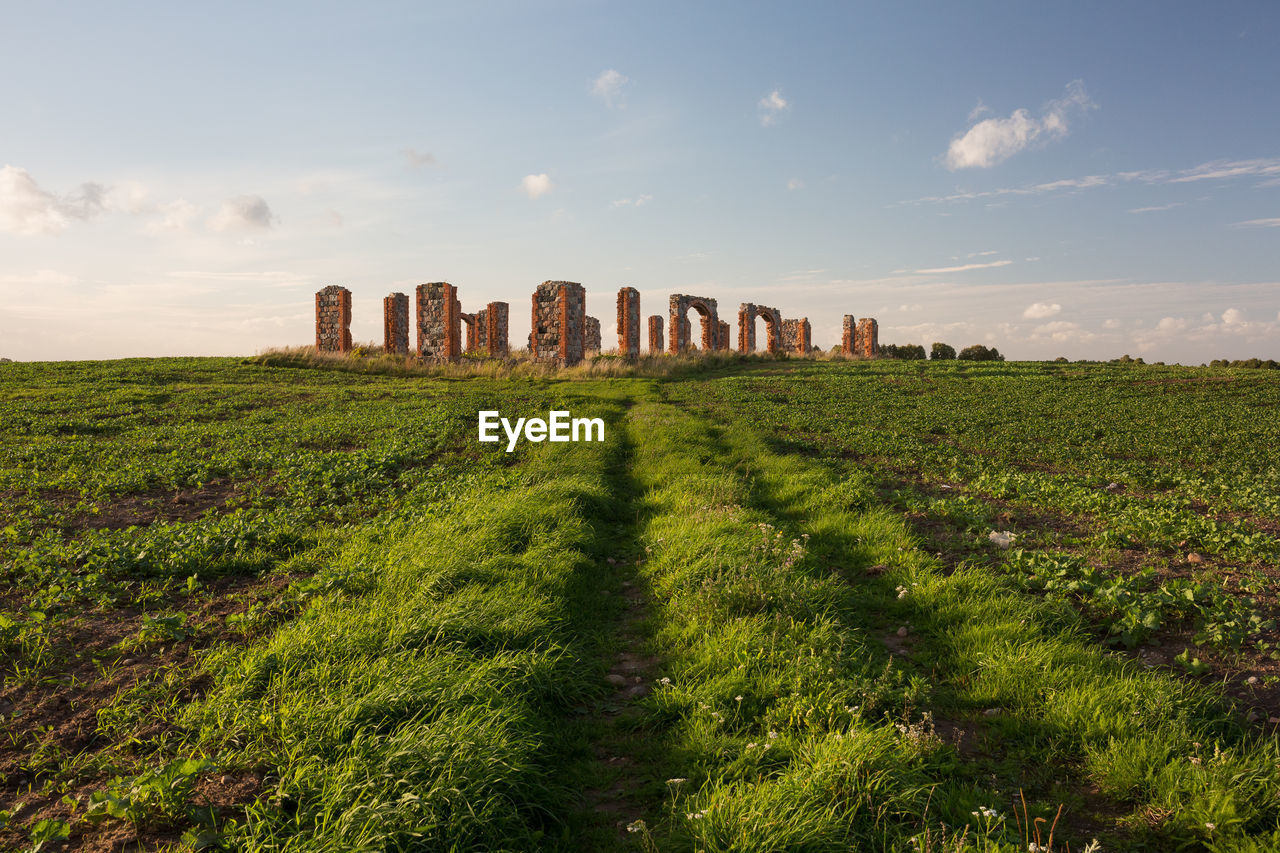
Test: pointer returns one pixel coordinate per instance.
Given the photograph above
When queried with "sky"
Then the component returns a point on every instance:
(1082, 180)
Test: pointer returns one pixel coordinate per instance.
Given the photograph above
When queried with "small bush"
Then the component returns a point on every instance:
(978, 352)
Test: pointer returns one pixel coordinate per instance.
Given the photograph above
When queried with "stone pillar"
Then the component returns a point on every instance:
(590, 335)
(849, 341)
(395, 324)
(494, 329)
(722, 336)
(655, 335)
(333, 319)
(746, 328)
(473, 331)
(629, 322)
(439, 319)
(796, 336)
(558, 321)
(868, 343)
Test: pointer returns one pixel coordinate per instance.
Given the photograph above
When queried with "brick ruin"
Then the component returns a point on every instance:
(439, 319)
(562, 332)
(629, 322)
(395, 324)
(559, 313)
(333, 319)
(866, 343)
(655, 335)
(473, 331)
(491, 330)
(590, 335)
(797, 335)
(681, 328)
(747, 313)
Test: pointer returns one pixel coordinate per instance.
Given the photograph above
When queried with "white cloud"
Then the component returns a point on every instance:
(978, 111)
(26, 208)
(1232, 317)
(175, 217)
(608, 87)
(1262, 223)
(771, 105)
(1160, 207)
(1041, 310)
(964, 267)
(638, 201)
(795, 184)
(995, 140)
(536, 185)
(243, 213)
(1062, 331)
(416, 159)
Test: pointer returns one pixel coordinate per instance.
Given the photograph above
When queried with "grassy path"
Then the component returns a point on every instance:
(808, 679)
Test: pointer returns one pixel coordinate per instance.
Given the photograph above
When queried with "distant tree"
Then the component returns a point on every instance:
(940, 351)
(888, 350)
(905, 352)
(978, 352)
(1062, 359)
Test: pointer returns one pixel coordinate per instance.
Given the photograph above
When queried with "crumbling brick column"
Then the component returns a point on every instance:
(629, 322)
(848, 341)
(473, 331)
(395, 324)
(559, 312)
(722, 336)
(796, 335)
(333, 319)
(868, 340)
(655, 335)
(747, 313)
(439, 318)
(493, 329)
(590, 335)
(680, 327)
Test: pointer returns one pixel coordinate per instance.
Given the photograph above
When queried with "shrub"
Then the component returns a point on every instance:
(941, 351)
(978, 352)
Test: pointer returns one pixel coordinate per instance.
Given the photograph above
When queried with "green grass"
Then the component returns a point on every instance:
(373, 633)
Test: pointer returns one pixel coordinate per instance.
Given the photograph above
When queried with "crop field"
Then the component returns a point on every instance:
(784, 605)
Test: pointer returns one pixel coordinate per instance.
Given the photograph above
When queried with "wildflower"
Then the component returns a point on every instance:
(751, 745)
(902, 592)
(636, 826)
(772, 735)
(664, 681)
(676, 781)
(1211, 826)
(737, 698)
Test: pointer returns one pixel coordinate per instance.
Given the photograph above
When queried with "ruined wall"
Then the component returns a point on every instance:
(439, 317)
(629, 322)
(333, 319)
(722, 336)
(849, 338)
(796, 335)
(747, 313)
(590, 335)
(473, 331)
(867, 342)
(395, 324)
(655, 335)
(559, 312)
(681, 328)
(493, 329)
(482, 330)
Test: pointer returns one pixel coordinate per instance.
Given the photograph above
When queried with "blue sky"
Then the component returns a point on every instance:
(1081, 179)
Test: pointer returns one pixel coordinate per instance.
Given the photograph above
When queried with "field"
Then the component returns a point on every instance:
(785, 605)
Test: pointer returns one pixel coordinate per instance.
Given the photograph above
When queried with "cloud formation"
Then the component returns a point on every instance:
(536, 185)
(1041, 311)
(608, 87)
(28, 209)
(1262, 223)
(416, 159)
(771, 106)
(243, 213)
(995, 140)
(965, 267)
(638, 201)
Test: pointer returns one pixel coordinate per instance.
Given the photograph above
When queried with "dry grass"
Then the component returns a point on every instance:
(371, 359)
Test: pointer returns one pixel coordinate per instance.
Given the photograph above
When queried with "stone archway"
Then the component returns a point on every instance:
(681, 329)
(747, 313)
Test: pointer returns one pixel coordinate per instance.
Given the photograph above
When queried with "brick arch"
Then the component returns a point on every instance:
(473, 331)
(747, 313)
(681, 328)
